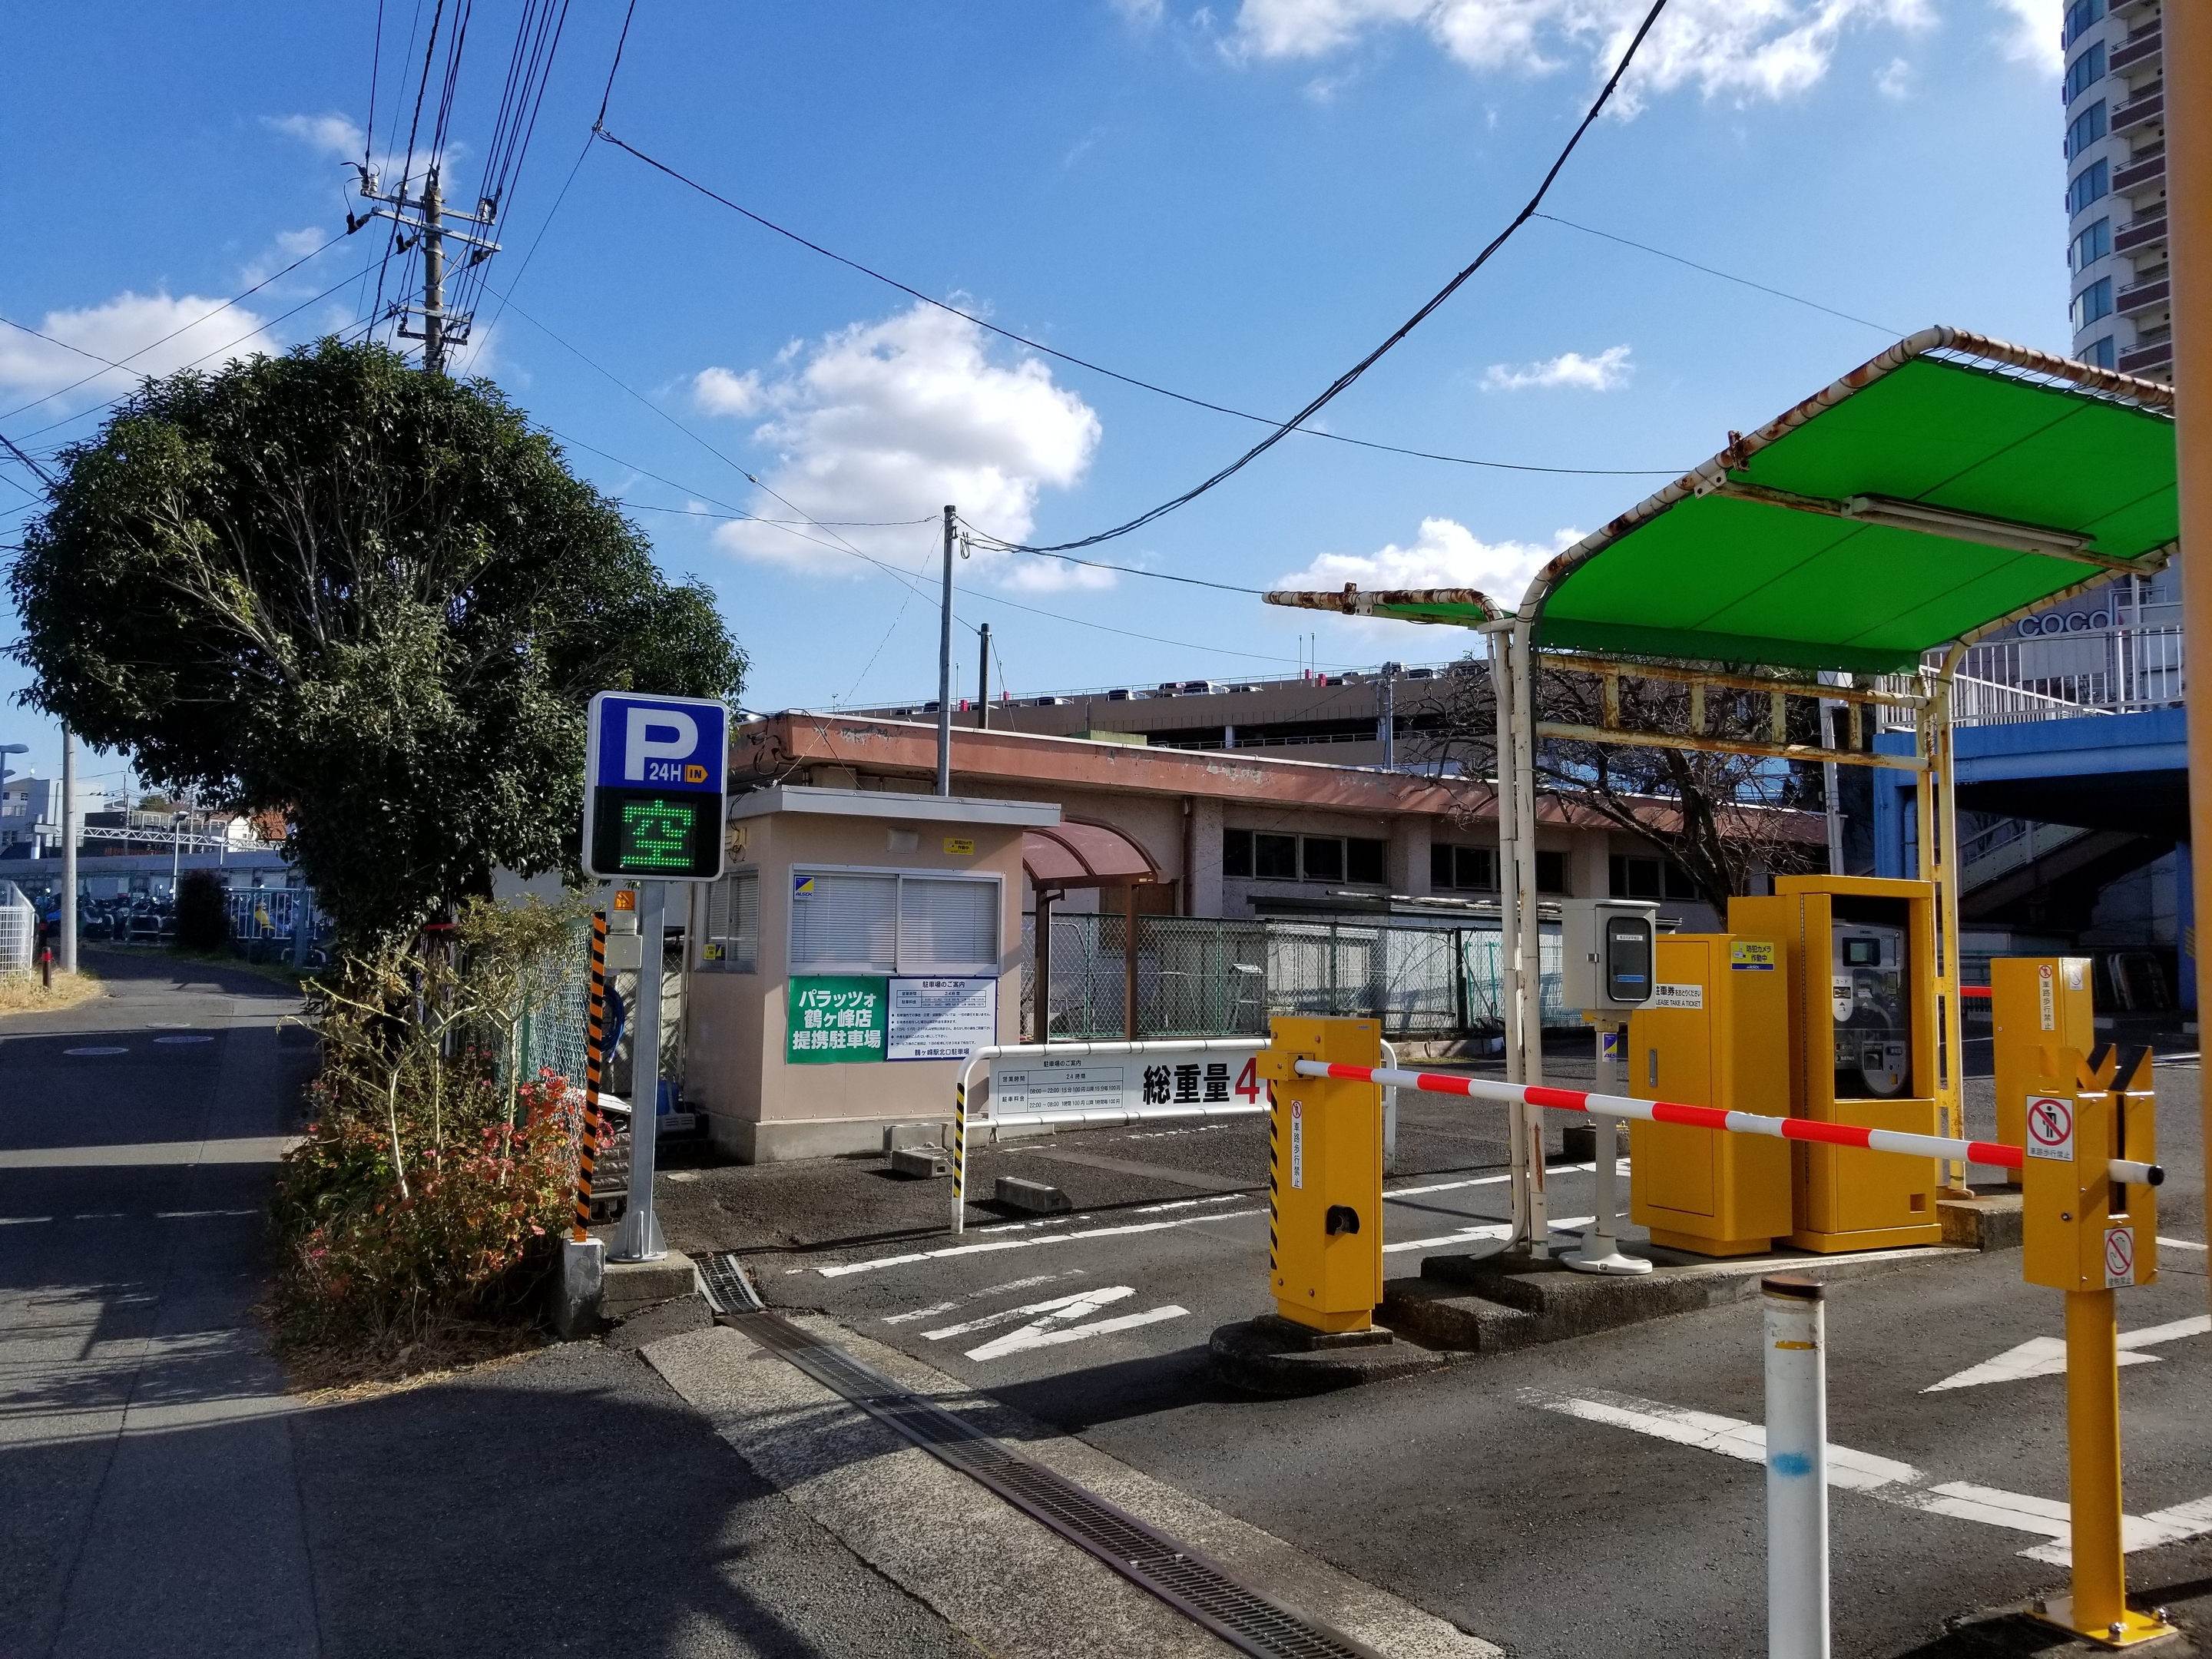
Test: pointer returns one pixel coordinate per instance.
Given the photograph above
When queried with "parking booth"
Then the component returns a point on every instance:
(863, 943)
(1859, 953)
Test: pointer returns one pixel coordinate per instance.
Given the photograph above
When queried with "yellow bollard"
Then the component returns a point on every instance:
(2087, 1234)
(1324, 1177)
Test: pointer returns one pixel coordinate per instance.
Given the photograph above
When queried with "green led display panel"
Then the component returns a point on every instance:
(670, 834)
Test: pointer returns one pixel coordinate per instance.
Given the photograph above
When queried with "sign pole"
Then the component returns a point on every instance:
(639, 1239)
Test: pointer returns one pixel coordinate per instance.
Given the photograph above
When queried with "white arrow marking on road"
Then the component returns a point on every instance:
(1072, 1306)
(1052, 1329)
(1489, 1230)
(2046, 1356)
(1880, 1478)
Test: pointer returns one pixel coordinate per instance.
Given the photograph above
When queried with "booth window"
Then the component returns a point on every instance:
(731, 941)
(1466, 868)
(860, 922)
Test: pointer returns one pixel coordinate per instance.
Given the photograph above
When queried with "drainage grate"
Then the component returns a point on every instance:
(1186, 1582)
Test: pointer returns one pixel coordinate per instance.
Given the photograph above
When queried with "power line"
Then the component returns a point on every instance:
(1344, 380)
(1115, 374)
(1726, 277)
(599, 124)
(234, 298)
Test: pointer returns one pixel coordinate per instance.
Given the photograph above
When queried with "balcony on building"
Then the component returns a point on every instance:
(2146, 232)
(2153, 362)
(2149, 107)
(2140, 49)
(2144, 295)
(2144, 169)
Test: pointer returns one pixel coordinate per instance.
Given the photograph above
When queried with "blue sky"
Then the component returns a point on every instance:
(1236, 201)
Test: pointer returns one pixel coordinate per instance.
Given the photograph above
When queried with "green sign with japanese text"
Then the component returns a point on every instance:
(836, 1020)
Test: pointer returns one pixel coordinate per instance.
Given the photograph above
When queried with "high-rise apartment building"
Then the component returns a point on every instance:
(2116, 249)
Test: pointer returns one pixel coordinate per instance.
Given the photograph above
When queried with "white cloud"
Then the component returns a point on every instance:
(718, 391)
(1141, 13)
(889, 421)
(2033, 37)
(1894, 80)
(328, 135)
(1748, 48)
(1446, 554)
(1607, 372)
(126, 324)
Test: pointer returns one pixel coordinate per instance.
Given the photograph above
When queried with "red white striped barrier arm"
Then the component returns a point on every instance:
(1709, 1117)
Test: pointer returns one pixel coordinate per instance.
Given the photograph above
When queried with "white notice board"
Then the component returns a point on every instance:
(1022, 1083)
(945, 1017)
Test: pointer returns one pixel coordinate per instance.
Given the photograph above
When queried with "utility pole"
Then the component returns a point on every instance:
(1386, 728)
(434, 278)
(945, 670)
(983, 680)
(69, 851)
(433, 226)
(2189, 210)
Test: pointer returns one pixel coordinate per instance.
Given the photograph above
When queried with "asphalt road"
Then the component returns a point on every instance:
(160, 1493)
(1556, 1500)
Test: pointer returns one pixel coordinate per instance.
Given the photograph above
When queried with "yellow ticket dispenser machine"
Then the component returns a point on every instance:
(1862, 1040)
(2038, 1004)
(1715, 1033)
(1325, 1175)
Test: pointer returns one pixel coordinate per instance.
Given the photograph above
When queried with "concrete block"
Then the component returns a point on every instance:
(631, 1286)
(896, 1135)
(1275, 1355)
(1990, 1220)
(921, 1163)
(576, 1291)
(1032, 1197)
(1578, 1142)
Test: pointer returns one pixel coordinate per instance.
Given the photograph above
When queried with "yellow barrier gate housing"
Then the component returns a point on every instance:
(2039, 1005)
(1863, 1050)
(1325, 1175)
(2088, 1235)
(1715, 1033)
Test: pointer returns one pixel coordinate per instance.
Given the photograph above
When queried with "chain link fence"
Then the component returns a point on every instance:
(1198, 977)
(554, 1034)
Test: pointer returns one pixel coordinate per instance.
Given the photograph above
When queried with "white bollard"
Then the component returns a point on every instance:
(1599, 1253)
(1796, 1468)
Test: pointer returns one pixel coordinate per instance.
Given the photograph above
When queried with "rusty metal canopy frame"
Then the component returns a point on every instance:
(1948, 486)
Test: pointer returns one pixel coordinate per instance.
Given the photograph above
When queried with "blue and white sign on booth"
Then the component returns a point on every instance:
(652, 787)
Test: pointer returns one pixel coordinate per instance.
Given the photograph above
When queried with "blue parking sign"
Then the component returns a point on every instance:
(653, 774)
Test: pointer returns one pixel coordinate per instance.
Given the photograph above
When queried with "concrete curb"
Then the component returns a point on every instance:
(1270, 1355)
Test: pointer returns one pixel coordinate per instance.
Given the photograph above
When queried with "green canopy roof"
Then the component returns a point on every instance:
(1943, 489)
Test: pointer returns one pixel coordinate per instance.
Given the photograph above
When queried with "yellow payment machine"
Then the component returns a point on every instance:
(1862, 1039)
(1325, 1175)
(1714, 1033)
(2039, 1005)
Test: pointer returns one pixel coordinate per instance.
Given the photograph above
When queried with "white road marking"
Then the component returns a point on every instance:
(1033, 1281)
(98, 1050)
(23, 1220)
(194, 1215)
(1029, 1336)
(1187, 1203)
(2046, 1356)
(2179, 1244)
(1488, 1229)
(1061, 1308)
(839, 1269)
(1882, 1478)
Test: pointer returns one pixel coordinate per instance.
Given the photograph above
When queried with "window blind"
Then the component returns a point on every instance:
(849, 921)
(948, 925)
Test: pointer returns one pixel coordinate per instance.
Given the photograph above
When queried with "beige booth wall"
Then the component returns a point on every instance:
(760, 1108)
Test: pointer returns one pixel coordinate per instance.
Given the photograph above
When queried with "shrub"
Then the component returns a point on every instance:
(433, 1183)
(202, 912)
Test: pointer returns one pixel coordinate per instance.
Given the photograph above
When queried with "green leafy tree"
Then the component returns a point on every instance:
(371, 598)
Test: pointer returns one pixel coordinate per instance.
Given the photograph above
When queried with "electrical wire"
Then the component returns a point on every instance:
(1344, 381)
(1039, 346)
(1726, 277)
(234, 298)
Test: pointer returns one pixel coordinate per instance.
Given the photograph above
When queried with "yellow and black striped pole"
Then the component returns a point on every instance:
(1274, 1198)
(960, 1155)
(587, 1149)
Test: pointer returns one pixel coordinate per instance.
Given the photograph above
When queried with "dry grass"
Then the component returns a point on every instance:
(340, 1374)
(24, 994)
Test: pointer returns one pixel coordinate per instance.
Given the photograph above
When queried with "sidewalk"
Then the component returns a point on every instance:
(160, 1493)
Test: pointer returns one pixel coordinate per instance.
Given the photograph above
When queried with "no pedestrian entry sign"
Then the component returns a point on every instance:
(652, 787)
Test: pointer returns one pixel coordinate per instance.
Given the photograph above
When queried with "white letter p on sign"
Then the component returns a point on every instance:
(641, 745)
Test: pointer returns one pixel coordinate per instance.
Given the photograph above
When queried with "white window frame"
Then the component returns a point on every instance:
(900, 968)
(726, 965)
